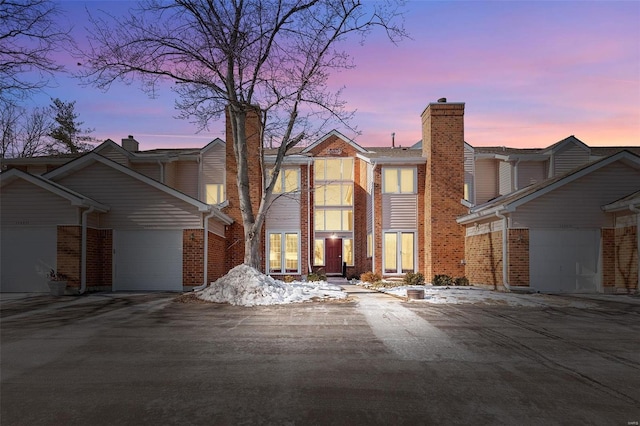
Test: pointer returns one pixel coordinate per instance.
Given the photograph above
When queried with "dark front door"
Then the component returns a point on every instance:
(334, 255)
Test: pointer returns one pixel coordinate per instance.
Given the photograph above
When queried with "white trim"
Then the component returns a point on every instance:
(282, 233)
(338, 135)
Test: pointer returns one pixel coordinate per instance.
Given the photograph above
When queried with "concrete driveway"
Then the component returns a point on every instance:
(116, 359)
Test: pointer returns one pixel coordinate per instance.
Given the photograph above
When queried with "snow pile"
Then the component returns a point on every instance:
(246, 286)
(480, 296)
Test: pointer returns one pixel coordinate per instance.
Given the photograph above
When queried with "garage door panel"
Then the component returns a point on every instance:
(565, 260)
(26, 257)
(148, 260)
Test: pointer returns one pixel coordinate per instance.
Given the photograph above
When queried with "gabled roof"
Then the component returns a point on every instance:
(571, 140)
(215, 142)
(508, 203)
(92, 157)
(624, 203)
(74, 197)
(336, 134)
(111, 144)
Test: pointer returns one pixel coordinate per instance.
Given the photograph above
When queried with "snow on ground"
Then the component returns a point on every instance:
(481, 296)
(245, 286)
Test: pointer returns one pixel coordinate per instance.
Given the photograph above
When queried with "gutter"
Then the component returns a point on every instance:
(505, 252)
(206, 250)
(83, 250)
(373, 217)
(636, 210)
(310, 240)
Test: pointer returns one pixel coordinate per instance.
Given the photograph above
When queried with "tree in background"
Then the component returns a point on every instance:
(66, 133)
(273, 55)
(30, 35)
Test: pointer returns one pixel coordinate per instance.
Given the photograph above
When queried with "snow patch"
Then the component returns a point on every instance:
(246, 286)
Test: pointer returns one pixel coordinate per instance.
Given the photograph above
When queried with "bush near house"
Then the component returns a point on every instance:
(412, 278)
(370, 277)
(462, 281)
(316, 276)
(446, 280)
(288, 279)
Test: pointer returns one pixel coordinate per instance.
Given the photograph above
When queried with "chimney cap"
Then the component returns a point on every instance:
(442, 100)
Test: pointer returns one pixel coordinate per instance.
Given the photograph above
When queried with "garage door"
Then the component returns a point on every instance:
(147, 260)
(565, 260)
(27, 255)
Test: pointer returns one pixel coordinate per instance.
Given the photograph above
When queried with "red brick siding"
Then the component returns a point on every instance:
(518, 257)
(360, 261)
(69, 247)
(216, 253)
(626, 241)
(377, 221)
(305, 197)
(99, 258)
(483, 254)
(608, 257)
(192, 257)
(443, 146)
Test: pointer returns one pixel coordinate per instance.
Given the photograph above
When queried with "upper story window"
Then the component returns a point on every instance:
(334, 194)
(288, 180)
(333, 169)
(215, 193)
(399, 180)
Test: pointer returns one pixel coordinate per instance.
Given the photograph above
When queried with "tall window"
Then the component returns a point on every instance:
(333, 195)
(347, 251)
(399, 180)
(399, 252)
(284, 253)
(215, 193)
(318, 252)
(288, 180)
(333, 220)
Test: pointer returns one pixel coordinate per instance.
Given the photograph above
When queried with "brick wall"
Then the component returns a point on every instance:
(608, 257)
(69, 247)
(192, 257)
(305, 198)
(483, 254)
(360, 261)
(443, 146)
(99, 259)
(626, 253)
(518, 257)
(216, 253)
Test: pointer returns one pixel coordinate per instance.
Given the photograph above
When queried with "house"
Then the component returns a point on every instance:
(563, 218)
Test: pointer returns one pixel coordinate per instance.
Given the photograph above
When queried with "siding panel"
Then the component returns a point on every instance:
(151, 170)
(25, 204)
(284, 212)
(399, 211)
(213, 168)
(569, 159)
(187, 178)
(530, 172)
(115, 155)
(505, 181)
(486, 180)
(469, 172)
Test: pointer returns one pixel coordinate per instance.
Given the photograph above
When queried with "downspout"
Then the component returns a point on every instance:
(515, 175)
(505, 252)
(161, 170)
(373, 218)
(311, 240)
(83, 250)
(636, 210)
(206, 250)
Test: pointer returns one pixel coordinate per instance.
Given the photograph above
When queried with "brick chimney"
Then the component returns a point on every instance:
(443, 146)
(235, 232)
(130, 144)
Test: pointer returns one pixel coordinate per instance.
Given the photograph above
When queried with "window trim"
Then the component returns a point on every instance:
(399, 180)
(398, 233)
(283, 253)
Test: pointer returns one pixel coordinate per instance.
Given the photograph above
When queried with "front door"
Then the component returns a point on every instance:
(334, 255)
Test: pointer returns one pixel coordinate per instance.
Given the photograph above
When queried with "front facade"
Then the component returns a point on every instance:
(563, 218)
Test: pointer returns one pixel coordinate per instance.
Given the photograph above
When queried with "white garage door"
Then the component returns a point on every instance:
(565, 260)
(147, 260)
(27, 256)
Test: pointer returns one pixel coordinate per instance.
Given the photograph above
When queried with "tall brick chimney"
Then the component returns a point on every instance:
(235, 232)
(443, 146)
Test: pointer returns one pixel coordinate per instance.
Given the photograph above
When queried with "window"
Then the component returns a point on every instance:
(318, 252)
(398, 252)
(284, 253)
(333, 220)
(215, 193)
(369, 245)
(399, 180)
(333, 169)
(347, 251)
(334, 194)
(287, 181)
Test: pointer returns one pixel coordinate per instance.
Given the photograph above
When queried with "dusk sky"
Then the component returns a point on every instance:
(530, 74)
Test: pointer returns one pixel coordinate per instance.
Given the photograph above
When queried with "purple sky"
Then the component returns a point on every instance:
(530, 73)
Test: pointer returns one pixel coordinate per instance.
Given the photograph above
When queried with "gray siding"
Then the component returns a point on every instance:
(486, 180)
(505, 184)
(151, 170)
(399, 211)
(530, 172)
(25, 204)
(170, 173)
(216, 227)
(469, 171)
(369, 207)
(569, 159)
(284, 212)
(133, 204)
(115, 155)
(213, 168)
(187, 178)
(578, 204)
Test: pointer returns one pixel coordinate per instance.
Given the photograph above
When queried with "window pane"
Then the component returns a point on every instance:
(407, 252)
(390, 180)
(318, 169)
(369, 245)
(213, 196)
(277, 188)
(333, 169)
(347, 194)
(332, 195)
(390, 252)
(291, 253)
(291, 180)
(318, 252)
(333, 220)
(407, 181)
(319, 220)
(347, 220)
(319, 198)
(347, 169)
(275, 253)
(347, 251)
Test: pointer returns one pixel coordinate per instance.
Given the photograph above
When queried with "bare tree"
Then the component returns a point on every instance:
(24, 133)
(239, 55)
(30, 35)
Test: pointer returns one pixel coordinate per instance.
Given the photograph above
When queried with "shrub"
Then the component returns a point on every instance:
(316, 276)
(411, 278)
(288, 279)
(370, 277)
(443, 280)
(462, 281)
